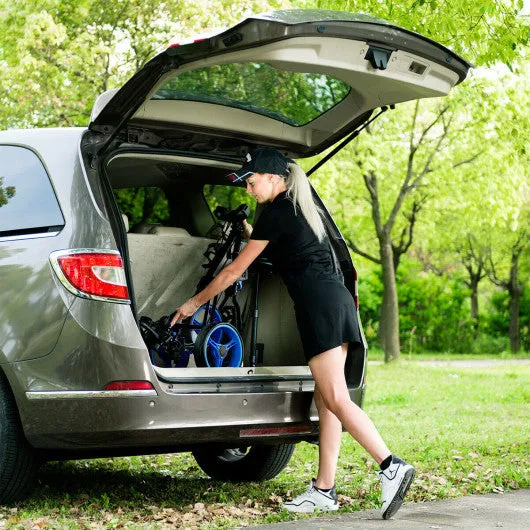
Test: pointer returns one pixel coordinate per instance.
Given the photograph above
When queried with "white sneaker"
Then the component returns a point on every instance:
(313, 499)
(395, 482)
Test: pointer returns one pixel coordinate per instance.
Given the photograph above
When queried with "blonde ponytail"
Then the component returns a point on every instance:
(299, 189)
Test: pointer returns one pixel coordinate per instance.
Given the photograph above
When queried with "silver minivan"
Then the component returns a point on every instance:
(81, 273)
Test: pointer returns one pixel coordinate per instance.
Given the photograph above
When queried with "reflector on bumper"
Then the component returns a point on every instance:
(275, 431)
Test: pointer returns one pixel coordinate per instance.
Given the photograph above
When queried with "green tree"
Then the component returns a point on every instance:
(511, 280)
(450, 138)
(57, 56)
(6, 192)
(433, 309)
(143, 205)
(486, 229)
(473, 257)
(483, 31)
(402, 161)
(497, 323)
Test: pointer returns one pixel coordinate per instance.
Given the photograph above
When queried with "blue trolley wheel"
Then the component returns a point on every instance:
(198, 318)
(218, 345)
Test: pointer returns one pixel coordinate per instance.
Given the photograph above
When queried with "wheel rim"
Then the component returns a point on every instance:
(222, 347)
(233, 455)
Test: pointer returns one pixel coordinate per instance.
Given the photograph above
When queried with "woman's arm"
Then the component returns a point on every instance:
(230, 274)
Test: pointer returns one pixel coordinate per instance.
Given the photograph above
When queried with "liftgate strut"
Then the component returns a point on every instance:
(347, 140)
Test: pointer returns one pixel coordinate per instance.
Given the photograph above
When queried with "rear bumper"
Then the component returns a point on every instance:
(83, 423)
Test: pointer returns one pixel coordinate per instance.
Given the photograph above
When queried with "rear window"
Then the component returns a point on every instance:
(28, 204)
(292, 97)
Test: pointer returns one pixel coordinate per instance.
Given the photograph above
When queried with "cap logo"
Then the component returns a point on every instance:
(249, 158)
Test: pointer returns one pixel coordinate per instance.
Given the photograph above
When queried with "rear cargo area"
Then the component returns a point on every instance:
(167, 259)
(166, 268)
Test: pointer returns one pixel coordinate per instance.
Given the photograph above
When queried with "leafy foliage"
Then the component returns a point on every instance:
(497, 321)
(434, 311)
(293, 97)
(57, 56)
(6, 192)
(483, 31)
(229, 197)
(143, 205)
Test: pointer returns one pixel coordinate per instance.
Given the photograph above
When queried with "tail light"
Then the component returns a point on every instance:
(92, 273)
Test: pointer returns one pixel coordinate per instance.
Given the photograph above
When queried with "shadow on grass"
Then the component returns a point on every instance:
(85, 485)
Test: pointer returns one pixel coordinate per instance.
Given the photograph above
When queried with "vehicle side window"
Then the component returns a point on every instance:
(229, 197)
(28, 204)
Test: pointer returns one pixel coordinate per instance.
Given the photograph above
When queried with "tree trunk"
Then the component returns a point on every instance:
(515, 339)
(474, 306)
(515, 291)
(389, 321)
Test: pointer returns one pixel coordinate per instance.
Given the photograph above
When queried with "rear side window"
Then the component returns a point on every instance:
(228, 196)
(143, 206)
(28, 204)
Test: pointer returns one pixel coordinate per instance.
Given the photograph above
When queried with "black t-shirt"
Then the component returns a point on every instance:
(293, 247)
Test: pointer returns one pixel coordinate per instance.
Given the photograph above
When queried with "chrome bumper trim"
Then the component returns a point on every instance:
(88, 394)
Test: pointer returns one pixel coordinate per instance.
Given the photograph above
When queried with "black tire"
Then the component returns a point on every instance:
(18, 462)
(244, 464)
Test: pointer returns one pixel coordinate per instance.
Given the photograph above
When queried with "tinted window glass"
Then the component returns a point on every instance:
(230, 197)
(27, 200)
(295, 98)
(143, 206)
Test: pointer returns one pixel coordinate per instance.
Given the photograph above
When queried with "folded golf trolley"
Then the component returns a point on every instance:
(213, 333)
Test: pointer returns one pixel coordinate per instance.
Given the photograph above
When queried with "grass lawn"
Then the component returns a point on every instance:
(464, 429)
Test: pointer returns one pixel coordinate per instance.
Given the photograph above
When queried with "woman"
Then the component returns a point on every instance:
(291, 229)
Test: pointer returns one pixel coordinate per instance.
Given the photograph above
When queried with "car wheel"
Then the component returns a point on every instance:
(18, 463)
(244, 464)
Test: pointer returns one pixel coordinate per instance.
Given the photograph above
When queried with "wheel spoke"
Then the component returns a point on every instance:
(231, 344)
(213, 358)
(218, 361)
(214, 344)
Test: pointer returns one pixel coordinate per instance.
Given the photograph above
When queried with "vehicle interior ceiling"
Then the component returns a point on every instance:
(167, 259)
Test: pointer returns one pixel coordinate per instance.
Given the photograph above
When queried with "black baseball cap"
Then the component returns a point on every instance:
(262, 160)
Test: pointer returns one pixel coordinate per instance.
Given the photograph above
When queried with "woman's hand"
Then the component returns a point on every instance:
(229, 275)
(187, 309)
(247, 229)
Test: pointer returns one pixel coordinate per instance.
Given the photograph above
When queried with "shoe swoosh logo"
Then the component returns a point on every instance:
(306, 501)
(392, 474)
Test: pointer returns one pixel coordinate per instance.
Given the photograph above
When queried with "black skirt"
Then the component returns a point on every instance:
(325, 312)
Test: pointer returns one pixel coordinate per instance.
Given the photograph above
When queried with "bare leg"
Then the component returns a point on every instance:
(328, 372)
(330, 435)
